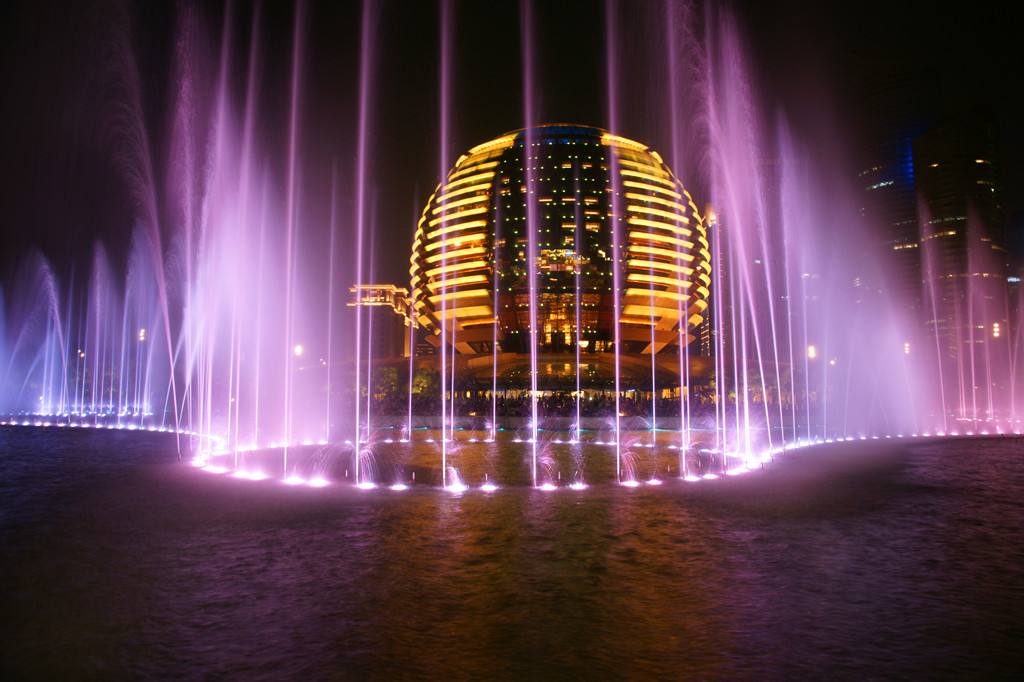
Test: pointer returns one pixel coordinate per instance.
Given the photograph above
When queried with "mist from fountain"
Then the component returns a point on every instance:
(217, 330)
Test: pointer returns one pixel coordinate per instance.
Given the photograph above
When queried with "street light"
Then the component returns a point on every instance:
(812, 352)
(298, 350)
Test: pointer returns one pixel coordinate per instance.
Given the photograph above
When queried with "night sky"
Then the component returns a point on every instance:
(819, 63)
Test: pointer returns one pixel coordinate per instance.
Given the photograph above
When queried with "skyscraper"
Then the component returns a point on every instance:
(965, 262)
(897, 102)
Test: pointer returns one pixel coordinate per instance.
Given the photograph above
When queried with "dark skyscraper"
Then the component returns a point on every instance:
(965, 262)
(931, 191)
(899, 114)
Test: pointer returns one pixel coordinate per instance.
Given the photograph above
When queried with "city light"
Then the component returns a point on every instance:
(298, 350)
(812, 352)
(142, 334)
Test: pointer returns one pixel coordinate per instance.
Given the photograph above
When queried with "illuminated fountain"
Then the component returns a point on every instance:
(555, 268)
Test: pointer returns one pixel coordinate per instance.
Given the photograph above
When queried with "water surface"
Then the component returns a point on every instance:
(878, 560)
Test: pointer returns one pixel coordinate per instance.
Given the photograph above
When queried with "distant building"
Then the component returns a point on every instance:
(897, 102)
(965, 262)
(930, 183)
(1015, 243)
(891, 205)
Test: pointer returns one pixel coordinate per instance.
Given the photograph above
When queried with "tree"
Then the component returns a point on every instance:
(425, 381)
(385, 383)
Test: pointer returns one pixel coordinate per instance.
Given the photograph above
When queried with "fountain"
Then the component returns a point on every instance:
(572, 307)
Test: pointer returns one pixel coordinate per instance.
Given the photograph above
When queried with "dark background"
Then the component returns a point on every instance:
(819, 63)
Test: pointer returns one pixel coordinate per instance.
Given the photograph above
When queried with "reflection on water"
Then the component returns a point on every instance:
(859, 560)
(475, 460)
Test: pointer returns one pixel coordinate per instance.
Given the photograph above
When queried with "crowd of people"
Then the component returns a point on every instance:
(702, 402)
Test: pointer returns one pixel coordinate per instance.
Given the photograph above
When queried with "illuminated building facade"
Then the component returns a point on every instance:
(570, 186)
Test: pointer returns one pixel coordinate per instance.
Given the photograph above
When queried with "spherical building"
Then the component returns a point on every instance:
(573, 197)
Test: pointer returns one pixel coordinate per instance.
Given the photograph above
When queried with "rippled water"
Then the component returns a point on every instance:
(877, 560)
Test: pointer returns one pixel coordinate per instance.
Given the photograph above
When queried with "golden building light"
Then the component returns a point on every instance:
(472, 236)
